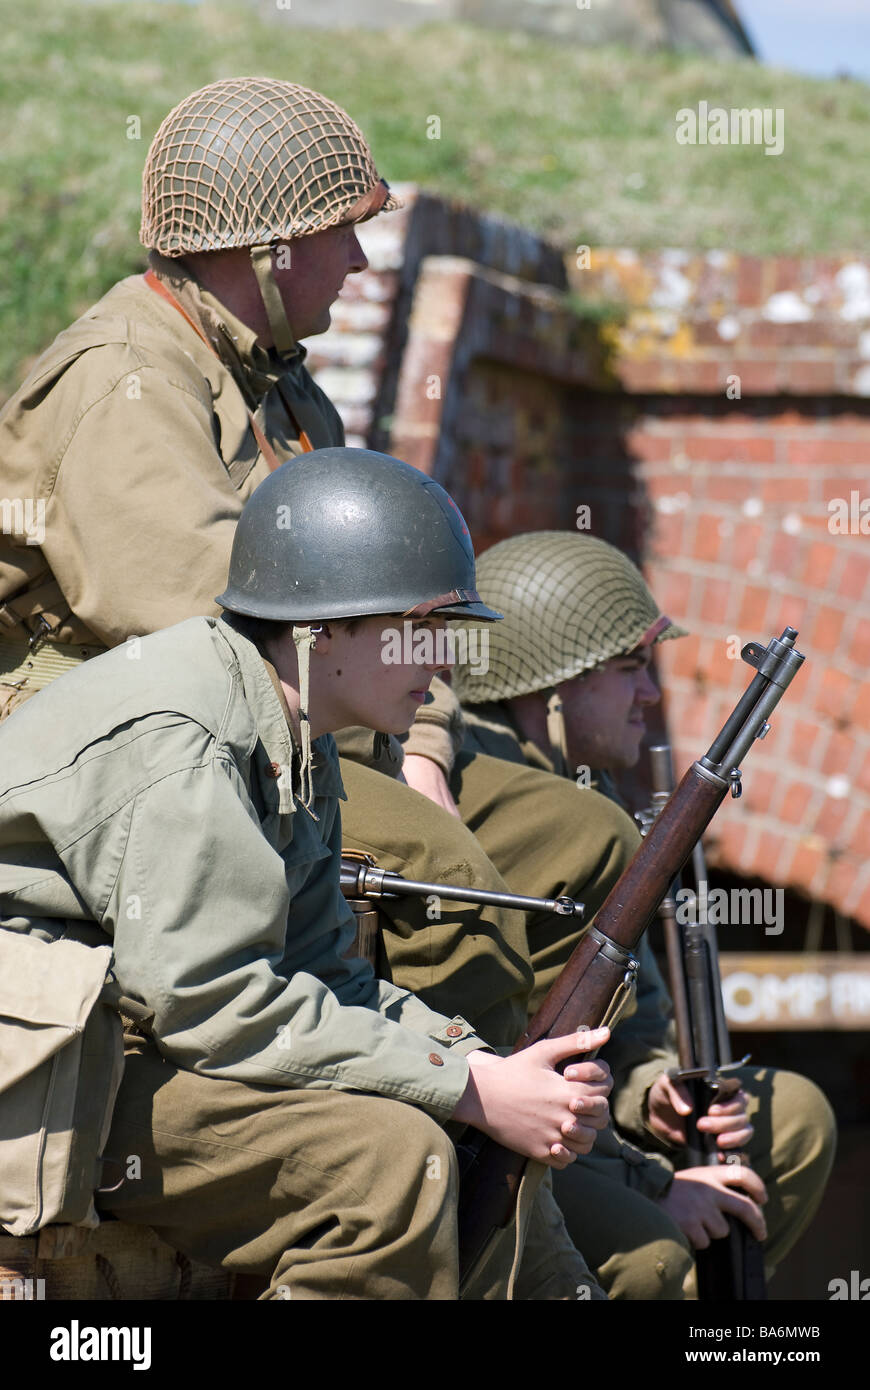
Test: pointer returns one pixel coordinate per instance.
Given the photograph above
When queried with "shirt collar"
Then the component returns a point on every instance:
(255, 368)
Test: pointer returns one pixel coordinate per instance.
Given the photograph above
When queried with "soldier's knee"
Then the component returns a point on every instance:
(656, 1270)
(803, 1116)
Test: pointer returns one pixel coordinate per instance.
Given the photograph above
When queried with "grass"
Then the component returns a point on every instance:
(576, 144)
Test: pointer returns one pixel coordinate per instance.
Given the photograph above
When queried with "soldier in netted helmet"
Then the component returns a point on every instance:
(147, 426)
(573, 660)
(566, 688)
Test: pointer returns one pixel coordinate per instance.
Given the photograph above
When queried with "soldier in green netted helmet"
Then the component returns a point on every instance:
(565, 688)
(572, 661)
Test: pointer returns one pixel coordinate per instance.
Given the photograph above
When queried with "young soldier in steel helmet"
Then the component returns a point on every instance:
(286, 1106)
(566, 688)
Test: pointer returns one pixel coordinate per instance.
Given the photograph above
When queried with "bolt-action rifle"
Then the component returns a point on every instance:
(731, 1269)
(602, 967)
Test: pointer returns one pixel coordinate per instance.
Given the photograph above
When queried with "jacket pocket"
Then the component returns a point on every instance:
(61, 1063)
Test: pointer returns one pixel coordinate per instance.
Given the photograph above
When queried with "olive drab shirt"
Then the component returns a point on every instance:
(140, 794)
(644, 1043)
(133, 443)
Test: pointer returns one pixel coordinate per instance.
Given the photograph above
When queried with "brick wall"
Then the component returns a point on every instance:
(707, 413)
(738, 534)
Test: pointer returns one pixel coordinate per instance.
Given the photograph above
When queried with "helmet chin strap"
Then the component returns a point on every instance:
(557, 734)
(279, 325)
(304, 638)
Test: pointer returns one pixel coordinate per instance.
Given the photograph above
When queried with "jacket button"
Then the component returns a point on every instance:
(453, 1031)
(436, 1059)
(273, 770)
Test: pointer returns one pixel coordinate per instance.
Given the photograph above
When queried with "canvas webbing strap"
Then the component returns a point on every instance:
(26, 668)
(156, 284)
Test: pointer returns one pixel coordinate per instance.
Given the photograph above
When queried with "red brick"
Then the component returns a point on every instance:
(807, 862)
(694, 718)
(767, 335)
(791, 491)
(768, 853)
(641, 375)
(842, 487)
(728, 487)
(668, 534)
(793, 805)
(840, 881)
(859, 644)
(835, 696)
(839, 755)
(784, 553)
(787, 273)
(757, 377)
(684, 656)
(861, 711)
(663, 484)
(716, 600)
(725, 448)
(804, 737)
(753, 609)
(831, 817)
(857, 902)
(860, 837)
(731, 842)
(718, 666)
(676, 594)
(703, 377)
(814, 378)
(750, 280)
(707, 541)
(651, 448)
(827, 630)
(831, 451)
(863, 778)
(744, 544)
(855, 577)
(817, 566)
(760, 789)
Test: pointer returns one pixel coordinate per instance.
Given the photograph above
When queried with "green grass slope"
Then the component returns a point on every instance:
(577, 144)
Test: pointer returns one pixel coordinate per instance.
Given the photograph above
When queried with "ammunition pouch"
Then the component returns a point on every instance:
(61, 1064)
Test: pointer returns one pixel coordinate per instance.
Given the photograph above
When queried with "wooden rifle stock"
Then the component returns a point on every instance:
(602, 965)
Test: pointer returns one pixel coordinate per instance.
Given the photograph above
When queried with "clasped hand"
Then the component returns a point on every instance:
(524, 1103)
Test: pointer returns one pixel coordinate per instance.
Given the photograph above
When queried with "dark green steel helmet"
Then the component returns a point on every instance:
(344, 533)
(570, 603)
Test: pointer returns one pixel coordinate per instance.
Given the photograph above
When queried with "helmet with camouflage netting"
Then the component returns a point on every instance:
(570, 603)
(249, 162)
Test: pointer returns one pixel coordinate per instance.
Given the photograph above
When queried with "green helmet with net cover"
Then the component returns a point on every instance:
(249, 162)
(570, 603)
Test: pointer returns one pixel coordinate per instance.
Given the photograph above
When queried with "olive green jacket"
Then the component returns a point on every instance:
(137, 438)
(152, 792)
(643, 1044)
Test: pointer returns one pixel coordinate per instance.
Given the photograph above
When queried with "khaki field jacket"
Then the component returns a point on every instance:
(152, 791)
